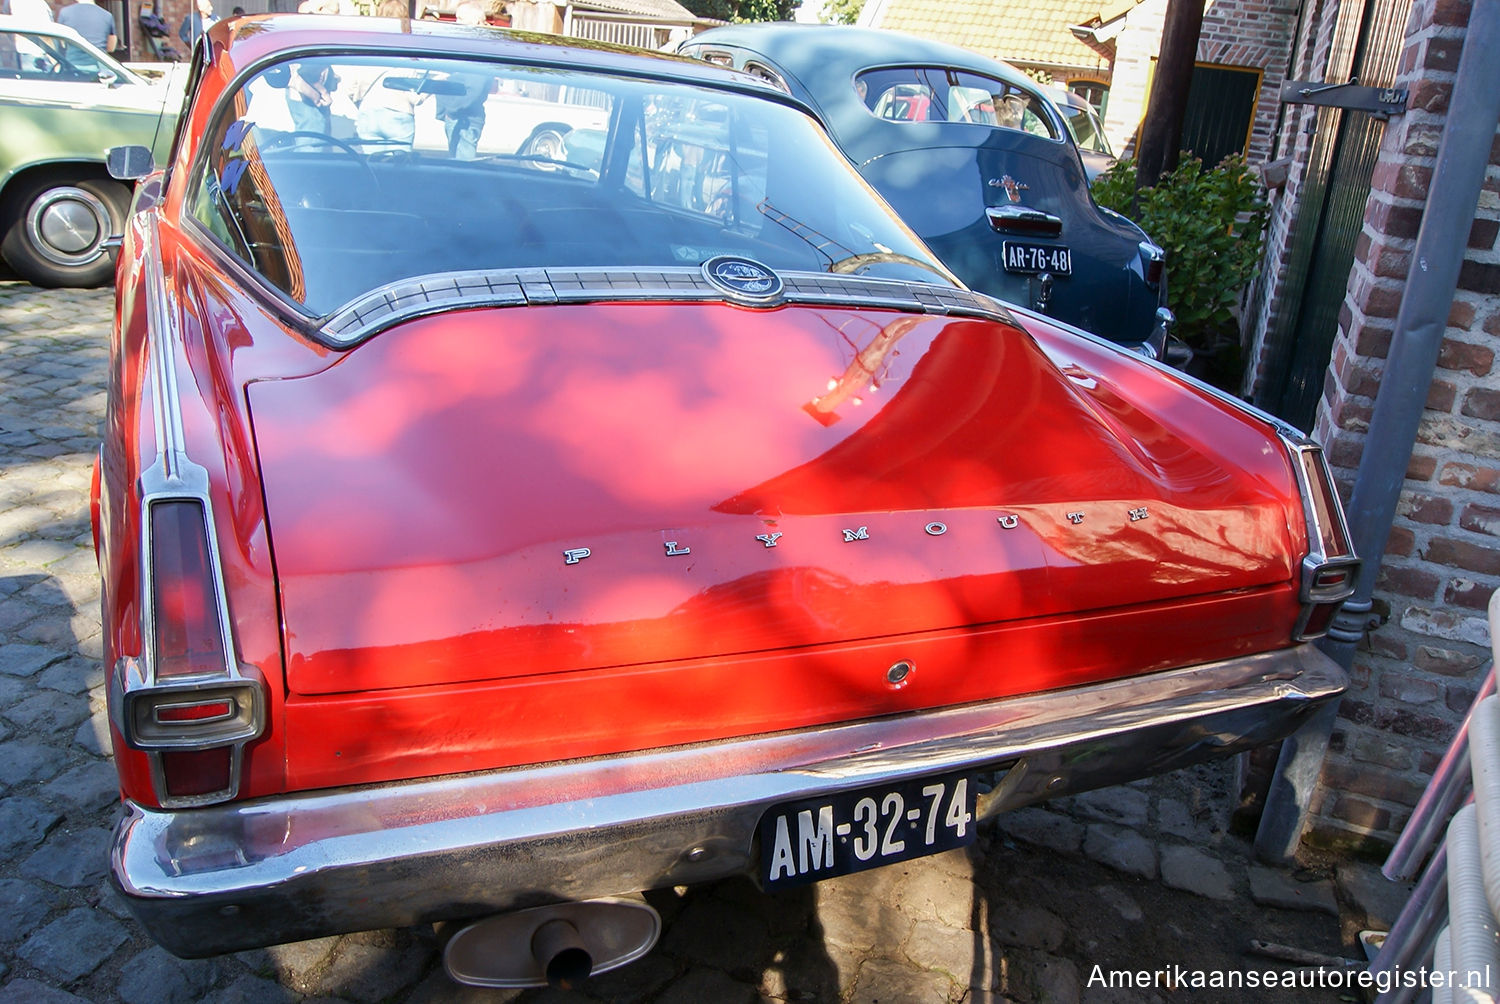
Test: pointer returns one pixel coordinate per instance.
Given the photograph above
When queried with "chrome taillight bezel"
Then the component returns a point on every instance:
(215, 673)
(1330, 567)
(143, 686)
(140, 686)
(140, 707)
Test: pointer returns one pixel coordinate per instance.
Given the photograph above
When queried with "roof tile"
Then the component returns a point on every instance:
(1034, 32)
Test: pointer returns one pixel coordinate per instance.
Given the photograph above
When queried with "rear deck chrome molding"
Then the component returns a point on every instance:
(229, 877)
(431, 294)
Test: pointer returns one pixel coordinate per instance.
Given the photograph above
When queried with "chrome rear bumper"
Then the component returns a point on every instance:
(228, 877)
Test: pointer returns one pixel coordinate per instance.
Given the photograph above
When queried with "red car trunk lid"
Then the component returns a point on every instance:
(522, 491)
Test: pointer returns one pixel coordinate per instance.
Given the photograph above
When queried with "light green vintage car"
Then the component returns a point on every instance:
(63, 103)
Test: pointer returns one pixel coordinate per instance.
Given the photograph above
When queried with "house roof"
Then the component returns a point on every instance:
(1030, 34)
(669, 11)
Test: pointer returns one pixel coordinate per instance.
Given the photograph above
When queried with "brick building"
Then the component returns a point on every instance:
(1242, 59)
(1418, 669)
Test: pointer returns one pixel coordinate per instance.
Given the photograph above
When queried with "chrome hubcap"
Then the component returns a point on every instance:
(68, 226)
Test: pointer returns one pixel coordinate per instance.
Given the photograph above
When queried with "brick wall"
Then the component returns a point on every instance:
(1416, 673)
(1253, 34)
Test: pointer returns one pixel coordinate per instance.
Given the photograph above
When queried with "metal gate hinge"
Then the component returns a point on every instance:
(1382, 101)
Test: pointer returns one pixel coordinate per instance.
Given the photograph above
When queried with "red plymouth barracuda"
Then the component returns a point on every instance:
(491, 535)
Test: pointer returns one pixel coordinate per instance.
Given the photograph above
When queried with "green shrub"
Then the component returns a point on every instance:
(1211, 223)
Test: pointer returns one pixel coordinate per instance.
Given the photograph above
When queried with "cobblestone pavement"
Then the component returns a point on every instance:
(1142, 876)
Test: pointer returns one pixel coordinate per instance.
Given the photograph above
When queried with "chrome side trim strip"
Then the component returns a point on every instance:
(166, 405)
(299, 866)
(431, 294)
(173, 477)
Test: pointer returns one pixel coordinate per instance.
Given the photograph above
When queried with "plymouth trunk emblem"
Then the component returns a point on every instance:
(743, 280)
(935, 528)
(1013, 188)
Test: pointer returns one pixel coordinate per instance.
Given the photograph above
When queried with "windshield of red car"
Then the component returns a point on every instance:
(332, 176)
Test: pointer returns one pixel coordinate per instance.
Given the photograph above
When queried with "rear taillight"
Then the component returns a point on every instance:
(1331, 566)
(1153, 263)
(197, 776)
(187, 702)
(189, 639)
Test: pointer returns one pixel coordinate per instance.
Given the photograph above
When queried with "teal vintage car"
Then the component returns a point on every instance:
(63, 103)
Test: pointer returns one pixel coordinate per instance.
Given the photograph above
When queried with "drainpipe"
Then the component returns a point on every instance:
(1462, 159)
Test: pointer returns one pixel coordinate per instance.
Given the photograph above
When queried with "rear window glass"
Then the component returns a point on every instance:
(935, 94)
(331, 176)
(1086, 128)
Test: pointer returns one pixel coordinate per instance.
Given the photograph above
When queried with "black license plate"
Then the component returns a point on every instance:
(1031, 259)
(850, 831)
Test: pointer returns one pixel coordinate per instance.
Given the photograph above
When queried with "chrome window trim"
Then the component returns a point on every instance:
(761, 70)
(174, 477)
(405, 299)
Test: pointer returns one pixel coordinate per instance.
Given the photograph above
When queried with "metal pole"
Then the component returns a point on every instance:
(1463, 156)
(1409, 944)
(1450, 784)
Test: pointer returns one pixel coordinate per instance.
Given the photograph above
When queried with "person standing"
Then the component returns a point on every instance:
(93, 22)
(310, 95)
(463, 113)
(197, 22)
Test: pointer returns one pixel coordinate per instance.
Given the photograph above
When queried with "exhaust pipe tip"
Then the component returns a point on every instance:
(558, 948)
(561, 945)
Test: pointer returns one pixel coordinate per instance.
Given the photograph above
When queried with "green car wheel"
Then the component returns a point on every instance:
(59, 227)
